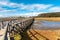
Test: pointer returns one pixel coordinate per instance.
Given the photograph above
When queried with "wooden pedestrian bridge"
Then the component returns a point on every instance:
(19, 29)
(14, 26)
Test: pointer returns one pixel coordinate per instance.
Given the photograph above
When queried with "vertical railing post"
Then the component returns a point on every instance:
(8, 29)
(0, 26)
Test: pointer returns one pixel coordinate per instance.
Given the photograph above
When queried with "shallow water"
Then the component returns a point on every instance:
(46, 25)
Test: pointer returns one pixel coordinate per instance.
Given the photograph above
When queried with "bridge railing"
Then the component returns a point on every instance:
(19, 26)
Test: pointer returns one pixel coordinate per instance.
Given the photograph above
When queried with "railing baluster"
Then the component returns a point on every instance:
(18, 27)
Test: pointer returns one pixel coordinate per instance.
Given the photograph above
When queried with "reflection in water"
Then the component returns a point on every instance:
(46, 25)
(51, 24)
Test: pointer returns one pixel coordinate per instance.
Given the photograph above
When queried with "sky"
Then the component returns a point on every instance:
(28, 7)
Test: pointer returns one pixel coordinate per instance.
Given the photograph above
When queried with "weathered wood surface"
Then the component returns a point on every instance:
(18, 26)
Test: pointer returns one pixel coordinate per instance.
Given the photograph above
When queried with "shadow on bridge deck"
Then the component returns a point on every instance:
(24, 34)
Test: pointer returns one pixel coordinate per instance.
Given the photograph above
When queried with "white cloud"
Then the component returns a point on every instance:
(22, 6)
(1, 15)
(8, 4)
(35, 7)
(55, 9)
(31, 14)
(8, 11)
(3, 3)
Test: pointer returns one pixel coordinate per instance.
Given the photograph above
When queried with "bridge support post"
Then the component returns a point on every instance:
(0, 26)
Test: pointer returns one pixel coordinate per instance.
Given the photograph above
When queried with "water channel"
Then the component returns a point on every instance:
(43, 24)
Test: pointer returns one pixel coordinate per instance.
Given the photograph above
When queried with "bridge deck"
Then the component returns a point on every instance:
(2, 33)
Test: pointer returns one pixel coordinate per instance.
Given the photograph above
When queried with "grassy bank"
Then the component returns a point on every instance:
(49, 19)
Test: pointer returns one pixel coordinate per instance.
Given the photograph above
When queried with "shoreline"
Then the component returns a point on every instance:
(56, 19)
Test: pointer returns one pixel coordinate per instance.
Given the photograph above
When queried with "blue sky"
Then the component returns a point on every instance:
(27, 7)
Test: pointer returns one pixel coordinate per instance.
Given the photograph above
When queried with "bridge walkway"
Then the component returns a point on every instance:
(3, 32)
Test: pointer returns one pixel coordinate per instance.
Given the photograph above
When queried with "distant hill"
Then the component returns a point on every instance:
(55, 14)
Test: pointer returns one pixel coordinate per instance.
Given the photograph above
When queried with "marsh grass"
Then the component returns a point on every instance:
(55, 19)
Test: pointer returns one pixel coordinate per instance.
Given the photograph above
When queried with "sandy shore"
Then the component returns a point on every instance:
(44, 34)
(49, 19)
